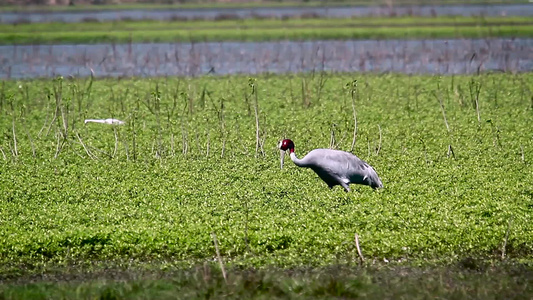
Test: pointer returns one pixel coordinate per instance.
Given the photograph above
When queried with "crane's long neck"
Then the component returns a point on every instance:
(297, 161)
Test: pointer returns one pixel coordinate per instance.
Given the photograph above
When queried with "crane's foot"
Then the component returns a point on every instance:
(345, 185)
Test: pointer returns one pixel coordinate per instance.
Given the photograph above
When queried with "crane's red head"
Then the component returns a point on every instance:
(286, 144)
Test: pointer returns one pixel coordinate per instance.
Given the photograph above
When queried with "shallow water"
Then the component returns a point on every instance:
(193, 59)
(278, 12)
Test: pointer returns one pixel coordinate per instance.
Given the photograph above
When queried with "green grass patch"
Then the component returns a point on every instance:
(92, 210)
(267, 23)
(185, 165)
(266, 30)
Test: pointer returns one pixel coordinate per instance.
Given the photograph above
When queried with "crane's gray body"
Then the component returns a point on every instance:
(337, 167)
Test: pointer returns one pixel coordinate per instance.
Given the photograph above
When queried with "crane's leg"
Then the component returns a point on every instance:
(345, 186)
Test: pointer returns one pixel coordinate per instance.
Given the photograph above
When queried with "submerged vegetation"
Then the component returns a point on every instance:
(266, 30)
(197, 161)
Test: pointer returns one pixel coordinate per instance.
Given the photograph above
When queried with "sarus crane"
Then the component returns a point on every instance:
(335, 167)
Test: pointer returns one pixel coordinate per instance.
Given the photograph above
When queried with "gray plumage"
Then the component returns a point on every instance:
(336, 167)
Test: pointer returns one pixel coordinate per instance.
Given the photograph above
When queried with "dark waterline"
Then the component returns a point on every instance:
(186, 59)
(271, 12)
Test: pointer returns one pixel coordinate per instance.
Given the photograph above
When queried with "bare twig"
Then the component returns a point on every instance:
(31, 141)
(58, 146)
(223, 147)
(305, 98)
(425, 151)
(134, 134)
(172, 151)
(85, 147)
(475, 89)
(3, 153)
(439, 98)
(506, 237)
(256, 111)
(332, 138)
(368, 142)
(208, 143)
(184, 137)
(15, 152)
(379, 145)
(214, 236)
(246, 225)
(450, 151)
(116, 141)
(358, 248)
(352, 93)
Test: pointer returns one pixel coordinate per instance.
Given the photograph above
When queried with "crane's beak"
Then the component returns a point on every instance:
(282, 156)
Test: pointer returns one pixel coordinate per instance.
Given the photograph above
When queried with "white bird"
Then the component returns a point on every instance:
(106, 121)
(335, 167)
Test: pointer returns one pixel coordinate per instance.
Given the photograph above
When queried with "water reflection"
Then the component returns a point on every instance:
(524, 9)
(193, 59)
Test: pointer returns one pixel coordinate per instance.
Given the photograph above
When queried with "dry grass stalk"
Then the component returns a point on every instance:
(214, 236)
(15, 148)
(116, 141)
(353, 88)
(358, 248)
(506, 237)
(450, 151)
(439, 98)
(3, 153)
(85, 147)
(380, 139)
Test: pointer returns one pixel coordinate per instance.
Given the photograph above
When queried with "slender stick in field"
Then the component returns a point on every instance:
(197, 138)
(475, 89)
(332, 141)
(134, 134)
(208, 142)
(157, 113)
(184, 137)
(15, 151)
(246, 225)
(214, 236)
(223, 126)
(172, 150)
(380, 138)
(252, 83)
(439, 98)
(450, 151)
(46, 119)
(353, 87)
(368, 143)
(3, 153)
(116, 141)
(58, 145)
(358, 248)
(506, 237)
(85, 147)
(30, 139)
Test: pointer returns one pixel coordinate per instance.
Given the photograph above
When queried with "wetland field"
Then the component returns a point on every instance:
(132, 209)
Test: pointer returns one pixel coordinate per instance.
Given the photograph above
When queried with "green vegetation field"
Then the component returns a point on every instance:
(129, 211)
(267, 30)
